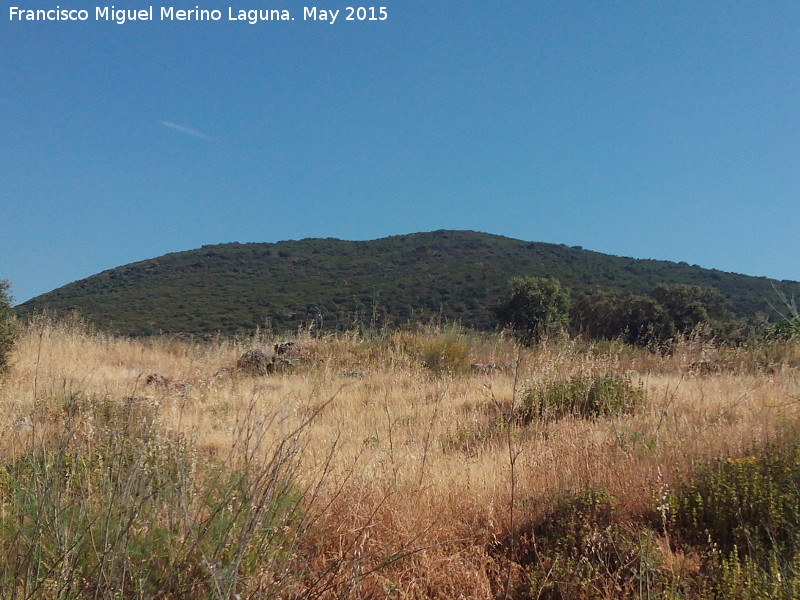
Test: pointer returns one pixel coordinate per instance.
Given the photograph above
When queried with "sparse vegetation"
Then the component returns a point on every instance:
(585, 470)
(8, 326)
(112, 507)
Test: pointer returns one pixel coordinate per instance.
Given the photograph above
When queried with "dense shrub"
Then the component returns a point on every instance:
(745, 514)
(448, 353)
(535, 308)
(581, 396)
(691, 306)
(584, 551)
(631, 318)
(734, 528)
(653, 320)
(750, 504)
(788, 328)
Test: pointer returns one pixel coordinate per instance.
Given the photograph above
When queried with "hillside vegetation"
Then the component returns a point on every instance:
(428, 464)
(446, 276)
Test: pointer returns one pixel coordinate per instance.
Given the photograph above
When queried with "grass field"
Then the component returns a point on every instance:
(386, 467)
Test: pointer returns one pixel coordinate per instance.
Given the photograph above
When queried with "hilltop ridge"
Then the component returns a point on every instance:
(337, 284)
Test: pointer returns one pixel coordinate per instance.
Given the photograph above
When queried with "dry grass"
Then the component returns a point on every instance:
(415, 487)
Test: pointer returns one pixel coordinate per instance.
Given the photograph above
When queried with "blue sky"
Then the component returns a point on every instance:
(663, 129)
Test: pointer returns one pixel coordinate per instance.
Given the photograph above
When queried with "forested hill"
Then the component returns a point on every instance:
(447, 275)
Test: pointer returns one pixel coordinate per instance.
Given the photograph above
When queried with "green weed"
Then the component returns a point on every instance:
(584, 551)
(448, 353)
(586, 397)
(745, 513)
(112, 506)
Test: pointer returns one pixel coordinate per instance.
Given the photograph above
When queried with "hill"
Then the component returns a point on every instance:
(452, 275)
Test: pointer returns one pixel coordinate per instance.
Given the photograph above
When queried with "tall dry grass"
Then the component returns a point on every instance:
(359, 474)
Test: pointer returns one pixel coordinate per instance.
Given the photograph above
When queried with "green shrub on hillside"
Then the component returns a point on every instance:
(453, 275)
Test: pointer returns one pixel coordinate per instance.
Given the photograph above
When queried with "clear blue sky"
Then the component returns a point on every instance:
(652, 129)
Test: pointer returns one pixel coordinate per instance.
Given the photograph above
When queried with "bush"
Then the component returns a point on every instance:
(789, 325)
(111, 506)
(586, 397)
(8, 326)
(536, 308)
(745, 513)
(448, 353)
(654, 320)
(583, 551)
(788, 328)
(615, 315)
(749, 504)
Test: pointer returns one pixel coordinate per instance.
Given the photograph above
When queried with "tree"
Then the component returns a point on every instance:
(690, 306)
(788, 326)
(785, 329)
(600, 314)
(634, 319)
(656, 320)
(646, 322)
(8, 326)
(535, 308)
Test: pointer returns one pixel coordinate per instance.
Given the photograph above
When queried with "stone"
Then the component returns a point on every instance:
(284, 348)
(157, 379)
(484, 368)
(255, 362)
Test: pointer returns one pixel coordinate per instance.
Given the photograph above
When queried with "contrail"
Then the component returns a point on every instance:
(187, 130)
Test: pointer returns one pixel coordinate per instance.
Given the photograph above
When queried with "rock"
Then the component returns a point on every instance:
(484, 368)
(157, 379)
(356, 373)
(255, 362)
(284, 348)
(223, 373)
(183, 387)
(283, 363)
(704, 367)
(23, 422)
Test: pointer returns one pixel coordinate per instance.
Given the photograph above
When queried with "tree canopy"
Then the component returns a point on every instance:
(535, 308)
